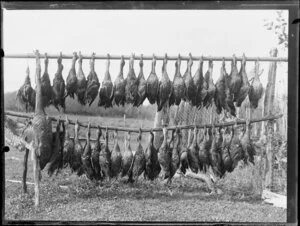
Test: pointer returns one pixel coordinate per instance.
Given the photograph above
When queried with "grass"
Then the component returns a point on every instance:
(83, 200)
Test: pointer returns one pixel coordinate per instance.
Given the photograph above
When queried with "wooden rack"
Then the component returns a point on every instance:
(148, 57)
(143, 130)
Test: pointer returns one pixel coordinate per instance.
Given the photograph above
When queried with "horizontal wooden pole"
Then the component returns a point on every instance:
(134, 130)
(147, 57)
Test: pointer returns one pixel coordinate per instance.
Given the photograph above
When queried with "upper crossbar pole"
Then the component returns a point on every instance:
(147, 57)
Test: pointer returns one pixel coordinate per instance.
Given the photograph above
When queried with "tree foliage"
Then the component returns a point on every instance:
(279, 27)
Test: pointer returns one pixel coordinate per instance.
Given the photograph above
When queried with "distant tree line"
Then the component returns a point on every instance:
(73, 107)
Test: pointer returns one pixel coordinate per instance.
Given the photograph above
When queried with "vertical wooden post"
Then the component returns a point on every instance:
(268, 108)
(25, 163)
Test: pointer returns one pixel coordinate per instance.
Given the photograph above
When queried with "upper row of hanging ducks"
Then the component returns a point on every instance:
(227, 93)
(219, 149)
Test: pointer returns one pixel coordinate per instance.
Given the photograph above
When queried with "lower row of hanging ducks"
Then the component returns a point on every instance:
(221, 149)
(227, 93)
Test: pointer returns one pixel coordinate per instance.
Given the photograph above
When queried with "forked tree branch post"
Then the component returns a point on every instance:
(268, 109)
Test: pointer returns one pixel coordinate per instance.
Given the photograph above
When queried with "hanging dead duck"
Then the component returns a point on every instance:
(190, 91)
(105, 159)
(107, 90)
(220, 94)
(58, 88)
(116, 158)
(175, 152)
(198, 82)
(193, 153)
(127, 156)
(226, 156)
(86, 156)
(247, 145)
(229, 105)
(131, 88)
(46, 85)
(76, 165)
(119, 86)
(223, 98)
(57, 148)
(25, 92)
(245, 87)
(96, 148)
(236, 150)
(165, 86)
(69, 146)
(142, 85)
(215, 156)
(164, 157)
(138, 162)
(211, 88)
(152, 167)
(71, 84)
(152, 84)
(204, 152)
(92, 86)
(178, 93)
(81, 82)
(256, 88)
(235, 80)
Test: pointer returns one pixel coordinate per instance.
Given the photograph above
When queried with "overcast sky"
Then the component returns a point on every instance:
(207, 32)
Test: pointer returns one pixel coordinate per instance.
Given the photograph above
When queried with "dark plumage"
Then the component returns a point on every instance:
(198, 82)
(204, 148)
(116, 158)
(86, 156)
(138, 162)
(119, 86)
(96, 148)
(235, 80)
(131, 88)
(193, 154)
(46, 85)
(223, 98)
(105, 159)
(245, 87)
(127, 156)
(152, 167)
(71, 84)
(226, 155)
(142, 85)
(76, 163)
(152, 84)
(164, 157)
(92, 86)
(68, 149)
(26, 92)
(81, 82)
(215, 155)
(256, 88)
(165, 86)
(220, 94)
(190, 89)
(106, 92)
(55, 163)
(247, 145)
(58, 88)
(236, 150)
(178, 93)
(175, 152)
(211, 88)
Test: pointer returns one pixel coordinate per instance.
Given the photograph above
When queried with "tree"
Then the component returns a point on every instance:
(279, 26)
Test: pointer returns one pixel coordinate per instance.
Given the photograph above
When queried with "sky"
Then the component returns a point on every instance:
(199, 32)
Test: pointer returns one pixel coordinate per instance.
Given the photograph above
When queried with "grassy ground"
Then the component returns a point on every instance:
(143, 201)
